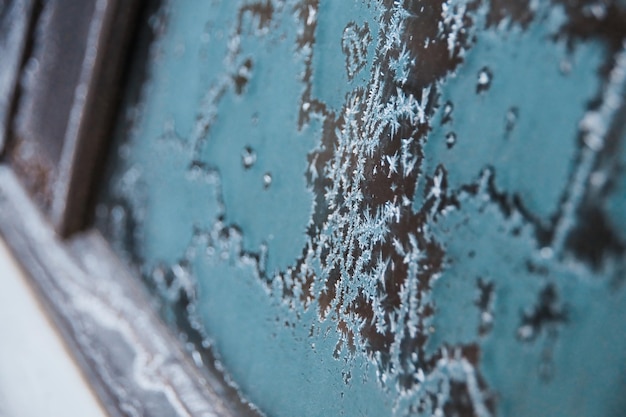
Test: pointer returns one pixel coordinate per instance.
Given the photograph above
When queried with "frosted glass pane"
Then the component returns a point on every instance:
(385, 208)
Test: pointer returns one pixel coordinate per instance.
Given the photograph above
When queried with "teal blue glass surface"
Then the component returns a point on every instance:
(385, 208)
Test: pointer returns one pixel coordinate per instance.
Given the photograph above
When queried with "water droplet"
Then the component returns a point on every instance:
(197, 358)
(597, 10)
(450, 139)
(484, 80)
(447, 113)
(267, 180)
(525, 332)
(546, 252)
(248, 157)
(598, 178)
(242, 76)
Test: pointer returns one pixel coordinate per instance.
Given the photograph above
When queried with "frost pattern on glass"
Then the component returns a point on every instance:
(406, 208)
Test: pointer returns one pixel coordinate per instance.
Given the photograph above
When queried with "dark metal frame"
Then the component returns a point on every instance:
(132, 360)
(73, 58)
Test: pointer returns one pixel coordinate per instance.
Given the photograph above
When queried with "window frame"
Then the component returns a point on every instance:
(134, 363)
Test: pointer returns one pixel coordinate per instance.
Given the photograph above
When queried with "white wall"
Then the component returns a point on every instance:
(37, 375)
